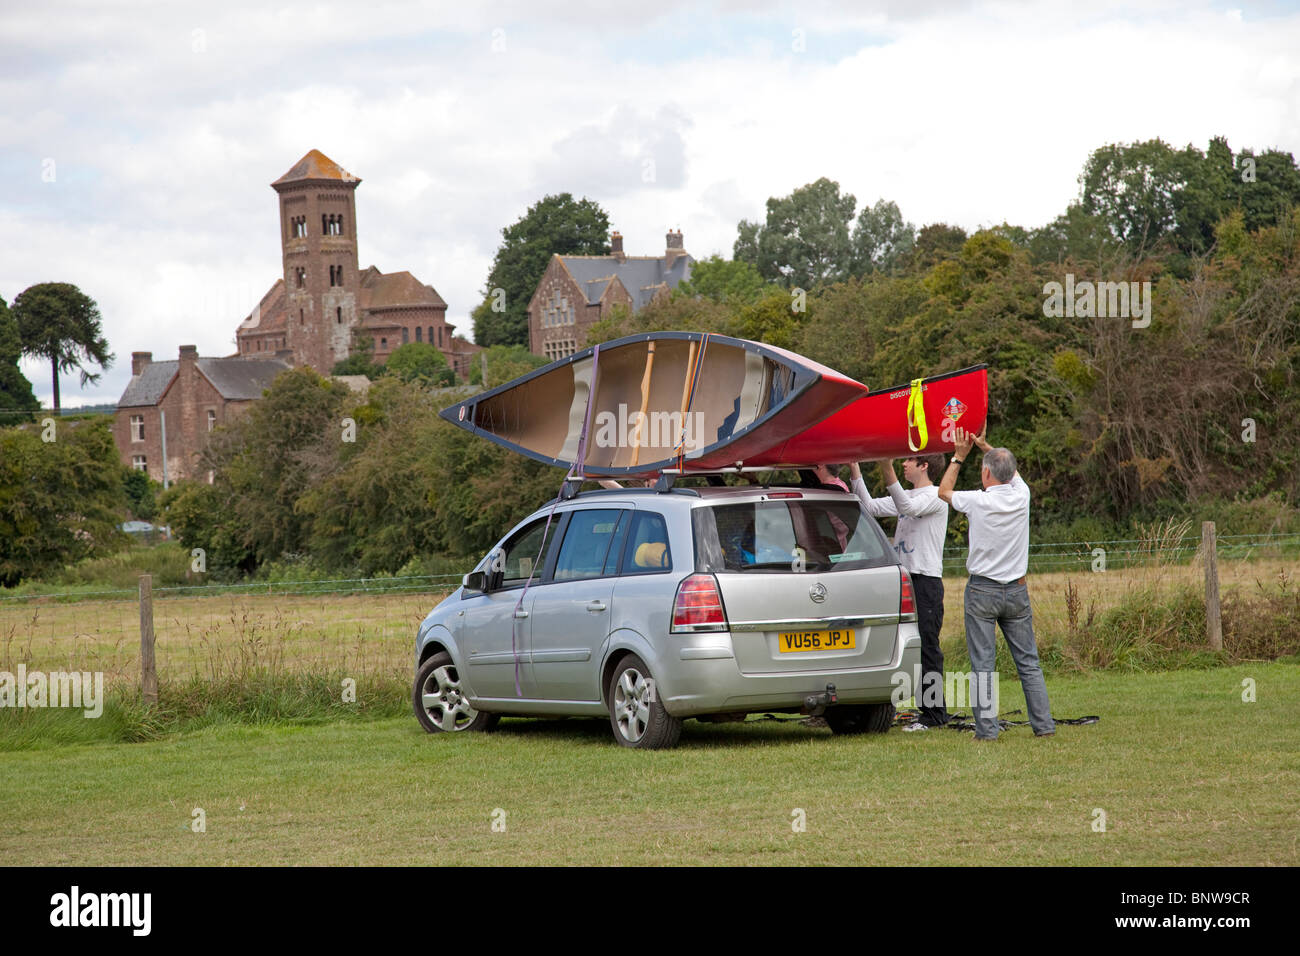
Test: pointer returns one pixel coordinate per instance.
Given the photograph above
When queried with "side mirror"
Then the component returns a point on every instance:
(475, 581)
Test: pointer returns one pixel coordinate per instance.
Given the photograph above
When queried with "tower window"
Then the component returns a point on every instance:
(383, 343)
(406, 336)
(298, 227)
(301, 320)
(336, 275)
(338, 315)
(301, 275)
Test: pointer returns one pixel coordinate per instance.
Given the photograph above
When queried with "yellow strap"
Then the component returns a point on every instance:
(916, 416)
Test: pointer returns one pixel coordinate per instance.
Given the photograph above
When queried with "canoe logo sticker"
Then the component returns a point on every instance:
(954, 409)
(462, 413)
(817, 592)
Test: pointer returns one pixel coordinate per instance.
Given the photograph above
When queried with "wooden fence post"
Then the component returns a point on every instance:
(148, 669)
(1213, 621)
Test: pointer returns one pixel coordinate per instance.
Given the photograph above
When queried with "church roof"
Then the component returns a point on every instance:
(316, 165)
(396, 290)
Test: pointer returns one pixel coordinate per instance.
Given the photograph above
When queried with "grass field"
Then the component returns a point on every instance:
(1184, 770)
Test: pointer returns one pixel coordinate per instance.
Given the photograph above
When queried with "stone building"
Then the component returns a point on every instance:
(323, 300)
(190, 396)
(577, 291)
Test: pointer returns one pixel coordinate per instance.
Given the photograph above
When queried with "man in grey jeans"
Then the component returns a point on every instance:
(997, 593)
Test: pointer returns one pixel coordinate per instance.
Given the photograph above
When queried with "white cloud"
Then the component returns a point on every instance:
(966, 113)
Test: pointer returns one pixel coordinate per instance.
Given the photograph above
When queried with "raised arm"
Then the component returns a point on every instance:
(876, 507)
(963, 443)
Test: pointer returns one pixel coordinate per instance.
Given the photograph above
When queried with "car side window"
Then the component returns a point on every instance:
(525, 553)
(647, 549)
(586, 544)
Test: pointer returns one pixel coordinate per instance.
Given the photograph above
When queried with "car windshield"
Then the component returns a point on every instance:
(794, 535)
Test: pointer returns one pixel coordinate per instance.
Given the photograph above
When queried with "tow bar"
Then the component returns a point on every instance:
(814, 705)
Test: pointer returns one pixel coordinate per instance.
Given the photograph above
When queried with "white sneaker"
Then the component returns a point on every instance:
(914, 725)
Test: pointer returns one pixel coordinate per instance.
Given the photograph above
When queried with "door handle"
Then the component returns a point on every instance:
(521, 613)
(596, 606)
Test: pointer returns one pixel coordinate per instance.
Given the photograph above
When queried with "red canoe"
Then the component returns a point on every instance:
(880, 424)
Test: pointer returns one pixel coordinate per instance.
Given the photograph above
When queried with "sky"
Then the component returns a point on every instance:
(138, 140)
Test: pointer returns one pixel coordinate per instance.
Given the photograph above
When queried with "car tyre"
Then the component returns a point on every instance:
(440, 704)
(860, 718)
(636, 714)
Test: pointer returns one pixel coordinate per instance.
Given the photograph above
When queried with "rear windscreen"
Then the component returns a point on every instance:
(789, 535)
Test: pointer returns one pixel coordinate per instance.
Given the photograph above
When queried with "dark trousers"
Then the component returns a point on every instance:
(929, 621)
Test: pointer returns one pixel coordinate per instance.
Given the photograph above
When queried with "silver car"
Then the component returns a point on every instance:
(651, 607)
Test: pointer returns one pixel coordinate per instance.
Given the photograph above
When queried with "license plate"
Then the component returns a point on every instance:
(793, 642)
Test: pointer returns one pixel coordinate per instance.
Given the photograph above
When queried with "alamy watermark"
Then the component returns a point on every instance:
(622, 429)
(977, 690)
(1086, 299)
(81, 690)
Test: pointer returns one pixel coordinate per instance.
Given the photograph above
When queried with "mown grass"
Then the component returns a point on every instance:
(1186, 772)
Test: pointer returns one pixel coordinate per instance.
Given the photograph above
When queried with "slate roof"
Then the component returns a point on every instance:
(642, 276)
(236, 379)
(147, 387)
(316, 165)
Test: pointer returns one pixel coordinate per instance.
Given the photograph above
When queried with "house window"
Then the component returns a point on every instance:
(212, 477)
(406, 336)
(383, 343)
(419, 333)
(137, 428)
(560, 348)
(138, 463)
(212, 419)
(431, 337)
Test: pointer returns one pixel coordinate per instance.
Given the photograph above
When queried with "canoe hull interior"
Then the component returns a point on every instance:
(659, 400)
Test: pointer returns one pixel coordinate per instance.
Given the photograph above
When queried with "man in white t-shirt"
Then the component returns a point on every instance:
(922, 528)
(997, 593)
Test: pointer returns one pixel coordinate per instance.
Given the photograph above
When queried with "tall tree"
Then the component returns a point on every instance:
(556, 225)
(60, 323)
(16, 396)
(805, 241)
(881, 239)
(723, 280)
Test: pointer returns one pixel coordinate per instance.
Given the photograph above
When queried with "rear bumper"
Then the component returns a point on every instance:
(702, 677)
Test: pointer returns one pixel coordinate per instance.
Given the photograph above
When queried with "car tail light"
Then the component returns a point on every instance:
(906, 597)
(698, 606)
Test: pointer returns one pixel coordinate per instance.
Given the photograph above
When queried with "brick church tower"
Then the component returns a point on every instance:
(318, 240)
(324, 301)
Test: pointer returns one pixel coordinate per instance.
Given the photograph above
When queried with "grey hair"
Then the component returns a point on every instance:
(1001, 464)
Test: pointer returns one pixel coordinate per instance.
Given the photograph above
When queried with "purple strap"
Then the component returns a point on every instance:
(580, 462)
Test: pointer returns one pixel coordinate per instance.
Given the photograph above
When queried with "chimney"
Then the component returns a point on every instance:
(139, 360)
(189, 353)
(616, 245)
(675, 246)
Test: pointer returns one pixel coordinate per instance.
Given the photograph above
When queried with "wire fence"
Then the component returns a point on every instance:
(364, 625)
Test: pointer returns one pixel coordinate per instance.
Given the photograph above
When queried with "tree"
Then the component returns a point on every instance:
(422, 362)
(60, 501)
(59, 322)
(504, 362)
(805, 240)
(935, 243)
(16, 396)
(723, 280)
(360, 360)
(881, 239)
(556, 225)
